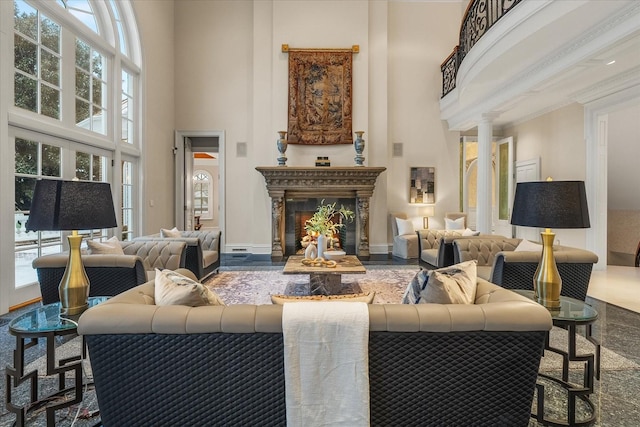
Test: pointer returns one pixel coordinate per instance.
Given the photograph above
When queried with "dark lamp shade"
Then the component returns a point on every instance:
(551, 204)
(71, 205)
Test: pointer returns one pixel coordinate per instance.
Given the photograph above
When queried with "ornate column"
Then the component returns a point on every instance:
(277, 225)
(362, 224)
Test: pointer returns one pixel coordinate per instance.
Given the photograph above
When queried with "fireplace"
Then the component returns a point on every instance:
(351, 186)
(297, 211)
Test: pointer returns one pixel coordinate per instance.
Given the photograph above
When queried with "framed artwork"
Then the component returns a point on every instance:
(320, 86)
(422, 185)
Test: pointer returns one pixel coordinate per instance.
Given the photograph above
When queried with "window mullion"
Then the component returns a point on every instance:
(68, 83)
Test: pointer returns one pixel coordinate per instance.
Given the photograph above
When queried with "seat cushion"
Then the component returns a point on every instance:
(430, 256)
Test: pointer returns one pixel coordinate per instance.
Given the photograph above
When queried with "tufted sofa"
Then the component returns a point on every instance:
(203, 250)
(111, 274)
(499, 263)
(429, 364)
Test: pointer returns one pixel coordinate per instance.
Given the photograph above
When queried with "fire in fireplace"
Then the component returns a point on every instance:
(297, 211)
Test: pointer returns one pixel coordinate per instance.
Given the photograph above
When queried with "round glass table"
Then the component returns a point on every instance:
(571, 314)
(44, 322)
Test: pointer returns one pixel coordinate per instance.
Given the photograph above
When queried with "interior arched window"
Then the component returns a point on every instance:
(202, 194)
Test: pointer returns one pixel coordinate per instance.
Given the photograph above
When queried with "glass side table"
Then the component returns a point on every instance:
(44, 322)
(571, 314)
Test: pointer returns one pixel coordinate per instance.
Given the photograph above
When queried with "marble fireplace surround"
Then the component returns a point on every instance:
(286, 182)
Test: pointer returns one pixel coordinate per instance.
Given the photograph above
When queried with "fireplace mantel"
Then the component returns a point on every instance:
(285, 182)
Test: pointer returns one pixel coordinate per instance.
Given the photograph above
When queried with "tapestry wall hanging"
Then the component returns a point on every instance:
(320, 96)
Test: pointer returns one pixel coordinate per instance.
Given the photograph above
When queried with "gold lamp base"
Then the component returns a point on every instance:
(74, 286)
(547, 282)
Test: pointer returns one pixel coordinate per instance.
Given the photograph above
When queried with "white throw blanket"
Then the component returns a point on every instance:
(326, 362)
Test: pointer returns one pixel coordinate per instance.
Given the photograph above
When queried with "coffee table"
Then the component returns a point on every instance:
(325, 280)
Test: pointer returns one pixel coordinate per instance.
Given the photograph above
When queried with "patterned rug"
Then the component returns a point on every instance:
(256, 287)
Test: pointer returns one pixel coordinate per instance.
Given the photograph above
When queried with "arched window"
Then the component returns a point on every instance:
(202, 194)
(73, 109)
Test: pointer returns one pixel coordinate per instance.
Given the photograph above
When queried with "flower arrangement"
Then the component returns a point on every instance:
(322, 220)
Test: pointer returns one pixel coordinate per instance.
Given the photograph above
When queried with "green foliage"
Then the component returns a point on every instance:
(322, 221)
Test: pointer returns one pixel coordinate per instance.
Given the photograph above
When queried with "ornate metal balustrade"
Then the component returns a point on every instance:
(479, 17)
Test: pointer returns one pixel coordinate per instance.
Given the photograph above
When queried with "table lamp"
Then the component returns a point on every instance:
(427, 212)
(549, 204)
(72, 205)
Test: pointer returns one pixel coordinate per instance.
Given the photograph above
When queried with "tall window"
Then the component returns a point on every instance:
(91, 88)
(37, 61)
(202, 194)
(127, 200)
(73, 59)
(33, 160)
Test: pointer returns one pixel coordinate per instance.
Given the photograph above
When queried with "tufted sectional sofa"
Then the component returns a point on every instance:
(429, 364)
(203, 249)
(111, 274)
(499, 263)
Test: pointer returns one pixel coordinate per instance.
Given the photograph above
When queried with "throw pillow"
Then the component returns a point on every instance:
(528, 246)
(404, 227)
(364, 297)
(173, 288)
(452, 285)
(174, 232)
(470, 232)
(454, 224)
(419, 281)
(108, 247)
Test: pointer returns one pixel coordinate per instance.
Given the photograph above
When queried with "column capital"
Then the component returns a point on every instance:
(489, 117)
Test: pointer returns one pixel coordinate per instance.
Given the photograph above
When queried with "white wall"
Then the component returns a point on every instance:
(558, 139)
(622, 157)
(231, 75)
(155, 23)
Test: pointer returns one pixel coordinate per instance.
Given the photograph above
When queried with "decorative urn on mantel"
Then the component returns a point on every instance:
(357, 182)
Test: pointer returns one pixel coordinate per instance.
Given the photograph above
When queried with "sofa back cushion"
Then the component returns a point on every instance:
(483, 250)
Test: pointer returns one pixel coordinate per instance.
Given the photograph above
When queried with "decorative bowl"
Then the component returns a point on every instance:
(334, 255)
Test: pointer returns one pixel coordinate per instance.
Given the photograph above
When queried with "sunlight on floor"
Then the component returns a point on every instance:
(617, 285)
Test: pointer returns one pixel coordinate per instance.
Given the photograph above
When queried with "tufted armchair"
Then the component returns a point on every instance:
(435, 249)
(500, 264)
(484, 250)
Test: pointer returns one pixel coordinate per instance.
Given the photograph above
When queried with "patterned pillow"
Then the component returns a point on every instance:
(364, 297)
(419, 281)
(173, 288)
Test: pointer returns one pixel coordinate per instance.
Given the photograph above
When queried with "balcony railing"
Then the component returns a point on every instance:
(479, 17)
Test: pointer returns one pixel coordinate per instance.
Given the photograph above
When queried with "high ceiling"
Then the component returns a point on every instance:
(543, 56)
